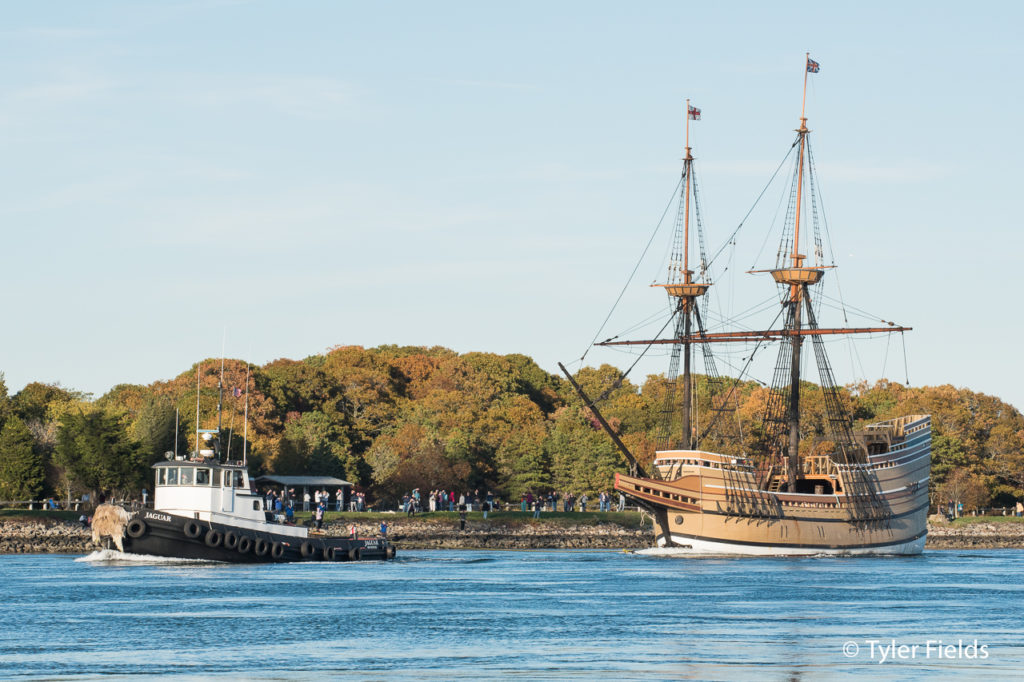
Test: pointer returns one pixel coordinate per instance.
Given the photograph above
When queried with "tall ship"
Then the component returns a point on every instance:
(849, 491)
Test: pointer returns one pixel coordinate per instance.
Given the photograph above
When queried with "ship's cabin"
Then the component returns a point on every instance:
(672, 464)
(199, 487)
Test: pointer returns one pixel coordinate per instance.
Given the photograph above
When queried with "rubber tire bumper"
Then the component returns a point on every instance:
(213, 538)
(136, 528)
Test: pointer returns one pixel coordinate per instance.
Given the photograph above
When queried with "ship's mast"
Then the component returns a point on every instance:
(796, 289)
(683, 290)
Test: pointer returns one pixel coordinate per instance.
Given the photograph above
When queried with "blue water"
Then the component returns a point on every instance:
(443, 615)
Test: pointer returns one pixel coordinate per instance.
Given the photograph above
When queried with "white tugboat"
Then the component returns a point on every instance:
(207, 508)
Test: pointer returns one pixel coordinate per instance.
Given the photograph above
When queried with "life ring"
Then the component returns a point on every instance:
(192, 529)
(355, 554)
(136, 528)
(261, 547)
(230, 540)
(244, 544)
(213, 538)
(307, 549)
(277, 550)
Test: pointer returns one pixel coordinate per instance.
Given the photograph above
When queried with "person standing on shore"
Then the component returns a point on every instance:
(622, 501)
(384, 529)
(305, 500)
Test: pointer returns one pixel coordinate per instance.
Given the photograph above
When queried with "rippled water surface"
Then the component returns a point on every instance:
(533, 615)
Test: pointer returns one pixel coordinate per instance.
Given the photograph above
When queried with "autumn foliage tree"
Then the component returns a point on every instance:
(393, 418)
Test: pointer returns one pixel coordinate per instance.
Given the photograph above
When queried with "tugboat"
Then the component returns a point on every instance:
(843, 491)
(206, 508)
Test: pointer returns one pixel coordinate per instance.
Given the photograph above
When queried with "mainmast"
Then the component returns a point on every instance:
(798, 278)
(683, 291)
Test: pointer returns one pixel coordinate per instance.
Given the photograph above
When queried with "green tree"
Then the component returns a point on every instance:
(153, 429)
(96, 454)
(5, 401)
(522, 462)
(21, 468)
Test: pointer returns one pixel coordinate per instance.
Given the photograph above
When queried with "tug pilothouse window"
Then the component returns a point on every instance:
(216, 478)
(202, 477)
(238, 479)
(172, 476)
(185, 477)
(161, 476)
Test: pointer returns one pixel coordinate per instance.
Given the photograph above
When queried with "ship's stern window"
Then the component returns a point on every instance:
(185, 477)
(172, 476)
(256, 505)
(202, 477)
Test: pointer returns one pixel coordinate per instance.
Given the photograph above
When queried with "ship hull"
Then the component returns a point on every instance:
(708, 503)
(161, 534)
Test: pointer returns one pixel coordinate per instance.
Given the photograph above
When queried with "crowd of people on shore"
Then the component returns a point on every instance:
(569, 501)
(284, 503)
(414, 502)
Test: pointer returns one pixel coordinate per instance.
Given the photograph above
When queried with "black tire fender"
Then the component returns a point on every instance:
(355, 554)
(230, 540)
(277, 550)
(244, 544)
(391, 552)
(307, 549)
(192, 529)
(136, 528)
(213, 538)
(261, 547)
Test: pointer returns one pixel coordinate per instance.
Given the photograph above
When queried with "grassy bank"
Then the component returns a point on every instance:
(499, 518)
(968, 520)
(39, 514)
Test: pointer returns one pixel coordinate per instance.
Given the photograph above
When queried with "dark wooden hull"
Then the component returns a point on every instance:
(167, 535)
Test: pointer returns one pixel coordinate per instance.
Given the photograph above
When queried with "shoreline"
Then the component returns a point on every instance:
(34, 535)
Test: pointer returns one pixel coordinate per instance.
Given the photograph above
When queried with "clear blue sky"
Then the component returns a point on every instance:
(483, 176)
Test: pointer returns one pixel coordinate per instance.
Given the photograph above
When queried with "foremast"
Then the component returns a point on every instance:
(683, 292)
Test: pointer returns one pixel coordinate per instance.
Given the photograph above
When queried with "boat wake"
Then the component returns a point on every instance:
(114, 557)
(676, 552)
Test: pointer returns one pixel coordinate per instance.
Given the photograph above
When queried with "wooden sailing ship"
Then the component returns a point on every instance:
(860, 491)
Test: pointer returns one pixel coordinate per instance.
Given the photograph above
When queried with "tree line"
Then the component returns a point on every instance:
(390, 419)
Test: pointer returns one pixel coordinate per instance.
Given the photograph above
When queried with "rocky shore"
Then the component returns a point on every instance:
(34, 536)
(976, 535)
